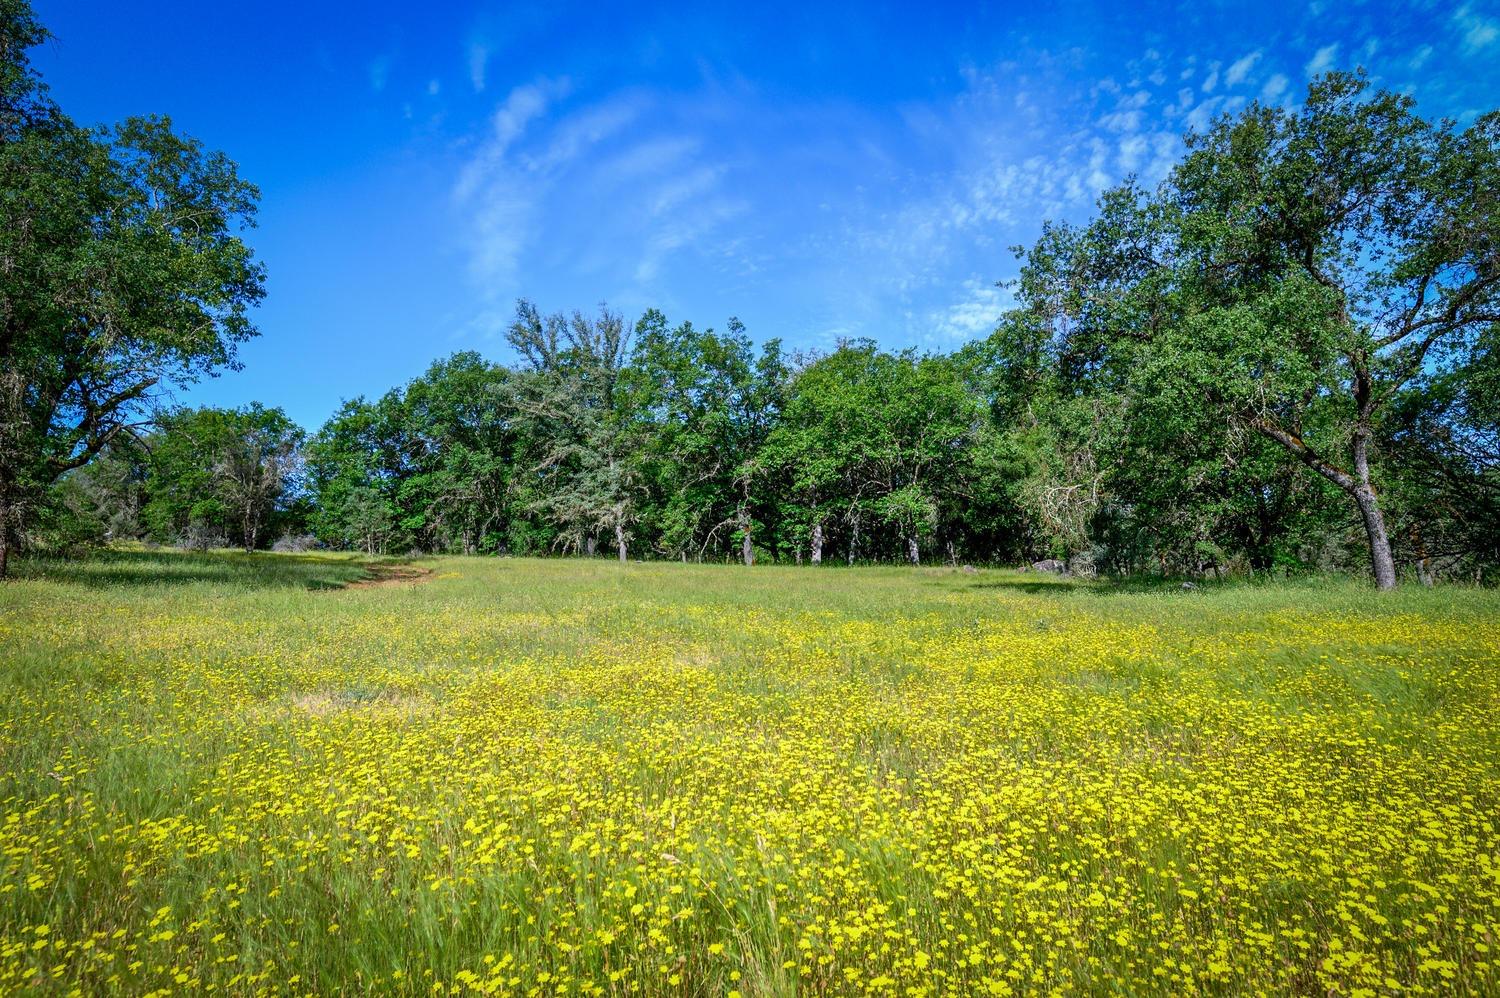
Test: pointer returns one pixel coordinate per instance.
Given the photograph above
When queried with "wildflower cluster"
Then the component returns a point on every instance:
(533, 778)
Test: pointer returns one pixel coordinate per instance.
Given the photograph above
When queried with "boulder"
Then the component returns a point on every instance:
(1050, 565)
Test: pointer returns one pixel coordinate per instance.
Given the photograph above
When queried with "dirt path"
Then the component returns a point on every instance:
(391, 575)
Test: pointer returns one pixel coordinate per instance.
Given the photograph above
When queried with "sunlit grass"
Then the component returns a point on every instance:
(571, 777)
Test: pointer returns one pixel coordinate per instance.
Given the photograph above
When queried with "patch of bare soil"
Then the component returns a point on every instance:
(378, 576)
(325, 703)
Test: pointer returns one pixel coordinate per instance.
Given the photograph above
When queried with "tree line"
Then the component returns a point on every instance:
(1281, 358)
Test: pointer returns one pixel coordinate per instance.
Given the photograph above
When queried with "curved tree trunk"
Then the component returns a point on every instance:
(1356, 485)
(1381, 562)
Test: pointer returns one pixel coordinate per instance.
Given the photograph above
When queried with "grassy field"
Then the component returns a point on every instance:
(547, 777)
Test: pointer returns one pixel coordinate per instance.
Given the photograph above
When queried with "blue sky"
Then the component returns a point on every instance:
(820, 172)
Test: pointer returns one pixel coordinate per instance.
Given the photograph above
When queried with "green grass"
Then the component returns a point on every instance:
(225, 771)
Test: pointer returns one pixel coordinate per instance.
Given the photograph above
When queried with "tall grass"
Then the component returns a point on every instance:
(223, 771)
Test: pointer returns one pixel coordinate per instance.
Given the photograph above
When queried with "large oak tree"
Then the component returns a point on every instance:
(122, 274)
(1299, 269)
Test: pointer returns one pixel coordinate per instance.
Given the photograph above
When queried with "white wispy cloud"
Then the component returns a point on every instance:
(686, 228)
(609, 192)
(1478, 31)
(520, 107)
(900, 214)
(1127, 114)
(973, 316)
(1011, 168)
(1241, 68)
(479, 57)
(1202, 115)
(1322, 60)
(585, 130)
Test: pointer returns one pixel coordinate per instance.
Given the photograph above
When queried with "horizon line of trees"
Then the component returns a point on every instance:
(1283, 357)
(655, 441)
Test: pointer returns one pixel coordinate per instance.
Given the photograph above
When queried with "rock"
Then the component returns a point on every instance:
(1190, 585)
(969, 570)
(1051, 565)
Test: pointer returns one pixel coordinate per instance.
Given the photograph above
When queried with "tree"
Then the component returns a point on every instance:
(582, 431)
(221, 472)
(1444, 438)
(454, 428)
(875, 440)
(257, 464)
(1296, 272)
(704, 403)
(351, 483)
(121, 274)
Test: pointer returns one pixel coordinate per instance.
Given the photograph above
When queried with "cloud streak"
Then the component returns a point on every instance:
(842, 219)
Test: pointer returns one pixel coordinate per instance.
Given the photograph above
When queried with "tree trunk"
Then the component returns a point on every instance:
(1381, 562)
(5, 536)
(1424, 563)
(1357, 485)
(747, 546)
(854, 540)
(620, 540)
(588, 546)
(913, 552)
(817, 544)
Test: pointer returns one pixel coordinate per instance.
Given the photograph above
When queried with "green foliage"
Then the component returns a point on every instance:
(1297, 273)
(220, 476)
(429, 467)
(1281, 356)
(124, 275)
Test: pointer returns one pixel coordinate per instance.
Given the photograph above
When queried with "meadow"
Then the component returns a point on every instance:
(225, 773)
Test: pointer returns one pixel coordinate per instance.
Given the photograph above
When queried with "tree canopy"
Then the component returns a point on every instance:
(122, 273)
(1281, 358)
(1298, 273)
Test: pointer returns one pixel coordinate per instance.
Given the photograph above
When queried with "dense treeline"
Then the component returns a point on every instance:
(660, 441)
(1284, 357)
(671, 442)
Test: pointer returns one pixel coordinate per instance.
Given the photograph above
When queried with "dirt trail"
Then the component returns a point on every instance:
(391, 575)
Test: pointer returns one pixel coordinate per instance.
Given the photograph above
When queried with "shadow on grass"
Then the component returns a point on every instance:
(261, 570)
(1027, 586)
(1111, 586)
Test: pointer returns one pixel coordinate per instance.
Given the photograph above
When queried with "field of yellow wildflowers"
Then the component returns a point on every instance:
(224, 773)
